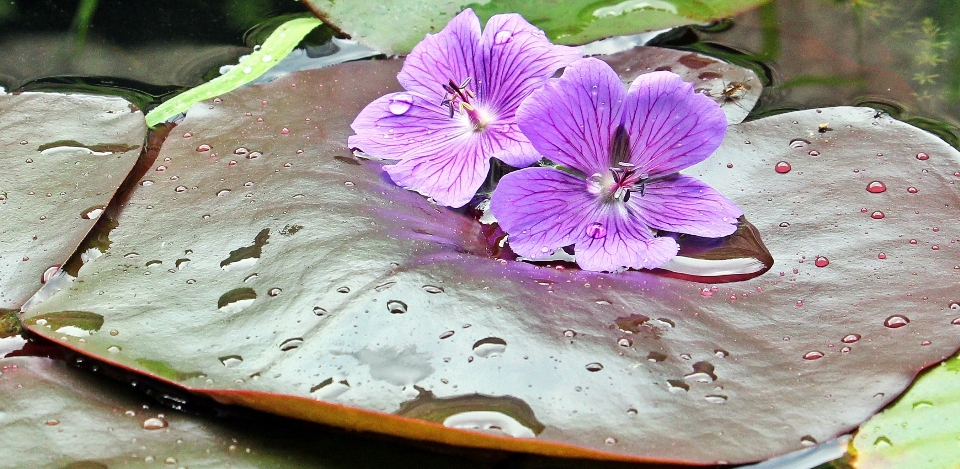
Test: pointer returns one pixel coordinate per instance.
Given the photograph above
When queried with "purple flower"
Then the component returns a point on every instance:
(462, 93)
(620, 151)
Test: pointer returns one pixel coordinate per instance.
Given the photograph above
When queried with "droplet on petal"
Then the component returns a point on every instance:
(783, 167)
(596, 230)
(502, 37)
(400, 104)
(876, 187)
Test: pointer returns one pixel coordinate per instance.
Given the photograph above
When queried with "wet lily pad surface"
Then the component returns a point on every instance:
(265, 265)
(63, 157)
(59, 417)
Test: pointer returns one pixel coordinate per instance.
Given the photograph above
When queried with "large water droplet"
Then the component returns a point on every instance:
(502, 37)
(896, 321)
(92, 213)
(400, 103)
(850, 338)
(676, 386)
(702, 373)
(489, 421)
(821, 261)
(489, 347)
(596, 230)
(396, 307)
(594, 367)
(922, 156)
(782, 167)
(814, 355)
(808, 440)
(799, 143)
(291, 344)
(236, 300)
(231, 360)
(154, 423)
(876, 187)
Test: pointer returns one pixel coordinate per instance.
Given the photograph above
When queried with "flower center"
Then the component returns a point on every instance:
(627, 179)
(457, 98)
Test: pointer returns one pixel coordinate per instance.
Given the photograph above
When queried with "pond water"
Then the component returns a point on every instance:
(900, 59)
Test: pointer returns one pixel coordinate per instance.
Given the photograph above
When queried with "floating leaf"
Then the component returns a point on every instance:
(616, 366)
(921, 429)
(57, 417)
(63, 156)
(572, 22)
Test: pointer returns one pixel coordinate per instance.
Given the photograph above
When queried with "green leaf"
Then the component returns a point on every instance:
(317, 289)
(276, 47)
(566, 22)
(62, 158)
(921, 430)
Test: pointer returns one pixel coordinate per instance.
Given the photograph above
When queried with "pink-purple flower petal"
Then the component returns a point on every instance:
(618, 241)
(670, 126)
(685, 204)
(543, 209)
(572, 119)
(447, 55)
(451, 174)
(514, 59)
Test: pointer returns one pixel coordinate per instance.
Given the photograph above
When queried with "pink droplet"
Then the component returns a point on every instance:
(596, 230)
(815, 355)
(935, 247)
(896, 321)
(912, 190)
(49, 273)
(878, 215)
(935, 229)
(881, 256)
(782, 167)
(187, 135)
(232, 163)
(259, 119)
(955, 322)
(913, 241)
(799, 303)
(706, 292)
(850, 338)
(284, 131)
(203, 148)
(876, 187)
(821, 261)
(161, 168)
(925, 343)
(922, 156)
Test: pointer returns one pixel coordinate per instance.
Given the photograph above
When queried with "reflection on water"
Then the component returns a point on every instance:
(899, 57)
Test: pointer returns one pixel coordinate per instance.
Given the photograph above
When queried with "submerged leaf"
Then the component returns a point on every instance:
(380, 291)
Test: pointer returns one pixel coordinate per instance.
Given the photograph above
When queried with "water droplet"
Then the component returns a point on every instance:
(146, 183)
(489, 347)
(702, 373)
(878, 215)
(291, 344)
(624, 342)
(876, 187)
(53, 422)
(821, 261)
(231, 360)
(799, 143)
(396, 307)
(400, 103)
(715, 398)
(502, 37)
(881, 256)
(882, 441)
(912, 190)
(896, 321)
(935, 247)
(594, 367)
(922, 404)
(609, 440)
(799, 302)
(274, 291)
(631, 412)
(721, 353)
(285, 131)
(808, 440)
(913, 241)
(432, 289)
(154, 423)
(782, 167)
(784, 224)
(343, 290)
(814, 355)
(203, 148)
(223, 192)
(113, 349)
(923, 156)
(446, 335)
(570, 333)
(596, 230)
(813, 153)
(850, 338)
(236, 300)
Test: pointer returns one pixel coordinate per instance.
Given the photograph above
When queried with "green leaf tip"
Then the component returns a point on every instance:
(280, 43)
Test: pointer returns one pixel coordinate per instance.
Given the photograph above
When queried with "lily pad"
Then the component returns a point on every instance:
(63, 157)
(920, 430)
(570, 22)
(734, 88)
(365, 296)
(55, 416)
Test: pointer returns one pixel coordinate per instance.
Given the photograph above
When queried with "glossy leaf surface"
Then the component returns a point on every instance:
(305, 284)
(63, 156)
(571, 22)
(58, 417)
(920, 430)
